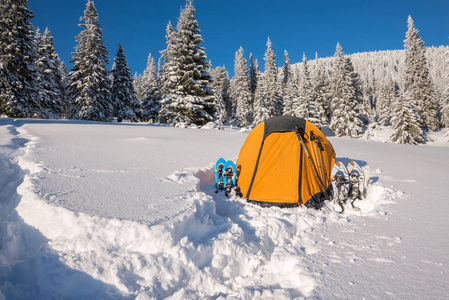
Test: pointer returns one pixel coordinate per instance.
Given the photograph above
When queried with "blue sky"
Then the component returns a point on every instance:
(293, 25)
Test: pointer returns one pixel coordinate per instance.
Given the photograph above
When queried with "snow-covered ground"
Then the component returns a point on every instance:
(122, 211)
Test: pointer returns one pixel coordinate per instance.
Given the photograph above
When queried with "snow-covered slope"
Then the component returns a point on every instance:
(118, 211)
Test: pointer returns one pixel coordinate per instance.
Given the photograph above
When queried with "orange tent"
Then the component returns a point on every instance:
(285, 161)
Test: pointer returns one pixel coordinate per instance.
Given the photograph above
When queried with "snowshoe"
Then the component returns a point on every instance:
(340, 181)
(218, 171)
(229, 177)
(356, 187)
(356, 172)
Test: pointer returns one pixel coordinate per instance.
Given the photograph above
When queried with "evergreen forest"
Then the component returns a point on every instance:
(406, 89)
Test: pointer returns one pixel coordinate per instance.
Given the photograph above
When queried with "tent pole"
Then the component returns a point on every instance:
(310, 160)
(320, 146)
(313, 139)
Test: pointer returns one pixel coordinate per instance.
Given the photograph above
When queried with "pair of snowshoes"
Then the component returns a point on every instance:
(225, 176)
(348, 183)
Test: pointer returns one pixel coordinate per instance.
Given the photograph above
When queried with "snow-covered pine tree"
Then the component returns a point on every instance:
(253, 71)
(50, 76)
(169, 78)
(89, 83)
(286, 69)
(273, 99)
(367, 110)
(344, 120)
(124, 99)
(362, 107)
(137, 82)
(405, 123)
(241, 91)
(44, 110)
(2, 74)
(291, 95)
(445, 100)
(159, 70)
(2, 89)
(302, 103)
(306, 108)
(194, 101)
(386, 102)
(221, 87)
(151, 92)
(320, 92)
(64, 92)
(260, 111)
(286, 90)
(417, 81)
(19, 84)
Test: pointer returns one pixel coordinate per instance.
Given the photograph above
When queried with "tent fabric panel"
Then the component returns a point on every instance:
(273, 170)
(277, 174)
(248, 155)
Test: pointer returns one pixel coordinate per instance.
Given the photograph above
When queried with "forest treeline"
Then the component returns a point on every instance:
(406, 89)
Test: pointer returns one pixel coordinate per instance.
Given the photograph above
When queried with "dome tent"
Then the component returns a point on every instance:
(285, 161)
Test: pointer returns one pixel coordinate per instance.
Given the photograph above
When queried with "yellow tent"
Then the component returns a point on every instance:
(285, 161)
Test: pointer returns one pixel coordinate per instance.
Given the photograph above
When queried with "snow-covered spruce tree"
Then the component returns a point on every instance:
(291, 96)
(445, 96)
(159, 72)
(44, 107)
(240, 90)
(362, 107)
(221, 87)
(302, 103)
(386, 102)
(273, 99)
(194, 101)
(286, 69)
(150, 103)
(286, 89)
(124, 99)
(260, 111)
(306, 108)
(405, 123)
(89, 83)
(169, 76)
(320, 92)
(50, 76)
(137, 82)
(417, 79)
(253, 71)
(367, 111)
(344, 120)
(19, 84)
(64, 92)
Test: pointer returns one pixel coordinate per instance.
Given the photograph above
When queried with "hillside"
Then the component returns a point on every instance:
(124, 211)
(378, 67)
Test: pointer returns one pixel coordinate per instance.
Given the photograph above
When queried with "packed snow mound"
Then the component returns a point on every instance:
(203, 245)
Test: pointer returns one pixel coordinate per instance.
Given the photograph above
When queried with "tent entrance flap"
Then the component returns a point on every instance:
(276, 175)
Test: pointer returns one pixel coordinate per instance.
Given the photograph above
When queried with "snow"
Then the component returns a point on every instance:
(129, 211)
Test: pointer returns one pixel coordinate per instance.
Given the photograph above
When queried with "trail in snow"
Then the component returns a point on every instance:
(30, 268)
(208, 247)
